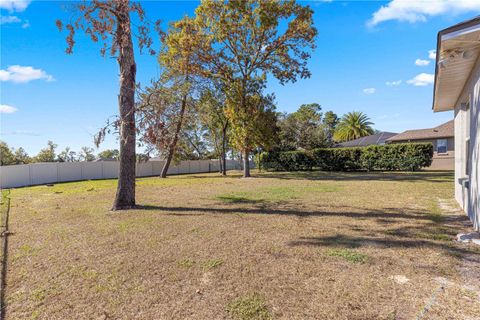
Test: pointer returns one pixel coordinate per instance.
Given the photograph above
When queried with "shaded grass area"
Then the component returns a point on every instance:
(308, 245)
(273, 194)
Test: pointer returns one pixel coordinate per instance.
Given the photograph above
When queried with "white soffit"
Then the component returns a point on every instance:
(459, 51)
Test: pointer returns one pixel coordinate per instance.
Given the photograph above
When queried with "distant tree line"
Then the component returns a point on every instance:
(12, 156)
(205, 134)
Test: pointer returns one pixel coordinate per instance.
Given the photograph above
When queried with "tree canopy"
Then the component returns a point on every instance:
(353, 125)
(243, 43)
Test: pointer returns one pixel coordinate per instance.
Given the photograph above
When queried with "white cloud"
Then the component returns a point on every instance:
(421, 62)
(432, 54)
(422, 79)
(14, 5)
(24, 133)
(418, 11)
(9, 19)
(14, 19)
(318, 2)
(5, 108)
(388, 116)
(22, 74)
(395, 83)
(369, 90)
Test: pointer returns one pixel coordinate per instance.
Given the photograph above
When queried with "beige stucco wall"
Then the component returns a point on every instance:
(468, 196)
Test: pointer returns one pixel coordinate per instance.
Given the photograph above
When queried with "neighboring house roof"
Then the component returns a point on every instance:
(442, 131)
(378, 139)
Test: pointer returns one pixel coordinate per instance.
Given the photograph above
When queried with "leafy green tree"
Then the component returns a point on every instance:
(212, 104)
(353, 125)
(47, 154)
(245, 44)
(6, 155)
(86, 154)
(310, 114)
(180, 60)
(288, 133)
(109, 21)
(21, 156)
(303, 129)
(67, 155)
(254, 126)
(10, 156)
(330, 121)
(193, 144)
(310, 130)
(109, 154)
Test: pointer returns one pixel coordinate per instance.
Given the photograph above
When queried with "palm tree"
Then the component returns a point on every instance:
(353, 125)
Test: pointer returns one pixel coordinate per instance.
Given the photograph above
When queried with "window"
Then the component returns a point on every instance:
(442, 146)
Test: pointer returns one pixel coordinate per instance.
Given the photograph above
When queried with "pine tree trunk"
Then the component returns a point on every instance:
(246, 165)
(173, 145)
(125, 196)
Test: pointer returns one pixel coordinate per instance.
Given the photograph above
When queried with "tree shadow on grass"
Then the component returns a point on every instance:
(430, 176)
(390, 214)
(235, 198)
(341, 240)
(429, 232)
(215, 175)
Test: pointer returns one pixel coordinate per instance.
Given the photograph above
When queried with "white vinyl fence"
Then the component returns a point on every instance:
(42, 173)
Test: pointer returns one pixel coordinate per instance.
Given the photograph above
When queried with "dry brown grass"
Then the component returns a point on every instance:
(280, 245)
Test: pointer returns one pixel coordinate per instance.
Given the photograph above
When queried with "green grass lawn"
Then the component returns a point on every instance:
(308, 245)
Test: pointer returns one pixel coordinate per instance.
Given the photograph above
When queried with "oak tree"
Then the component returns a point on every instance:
(248, 40)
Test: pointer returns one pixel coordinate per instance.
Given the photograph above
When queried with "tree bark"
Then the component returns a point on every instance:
(224, 149)
(246, 165)
(173, 145)
(220, 169)
(125, 196)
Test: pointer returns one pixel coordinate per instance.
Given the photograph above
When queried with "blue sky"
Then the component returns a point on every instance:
(371, 56)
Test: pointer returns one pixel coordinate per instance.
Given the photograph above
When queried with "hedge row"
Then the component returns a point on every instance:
(404, 157)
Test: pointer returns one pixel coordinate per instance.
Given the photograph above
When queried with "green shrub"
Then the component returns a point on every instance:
(404, 157)
(286, 161)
